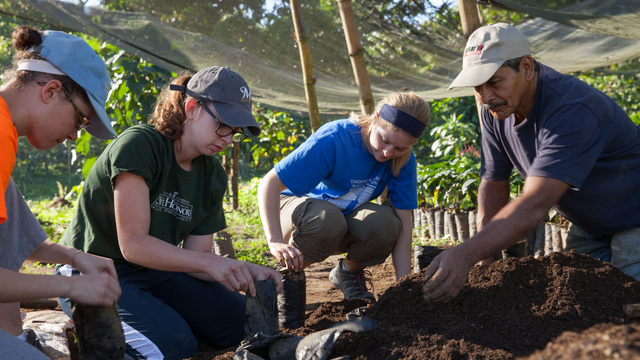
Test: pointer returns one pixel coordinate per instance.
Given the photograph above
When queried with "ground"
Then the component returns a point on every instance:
(563, 306)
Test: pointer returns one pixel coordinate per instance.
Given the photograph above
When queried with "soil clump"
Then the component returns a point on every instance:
(507, 310)
(517, 307)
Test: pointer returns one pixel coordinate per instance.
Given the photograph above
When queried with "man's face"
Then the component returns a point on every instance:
(502, 95)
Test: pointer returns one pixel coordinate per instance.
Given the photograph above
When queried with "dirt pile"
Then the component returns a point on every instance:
(600, 342)
(509, 309)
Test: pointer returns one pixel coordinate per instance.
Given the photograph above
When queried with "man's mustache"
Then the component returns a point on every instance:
(495, 104)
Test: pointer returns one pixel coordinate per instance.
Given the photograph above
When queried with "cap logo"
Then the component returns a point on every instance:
(473, 50)
(246, 93)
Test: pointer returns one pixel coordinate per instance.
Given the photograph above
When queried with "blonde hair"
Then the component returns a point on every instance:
(169, 113)
(411, 104)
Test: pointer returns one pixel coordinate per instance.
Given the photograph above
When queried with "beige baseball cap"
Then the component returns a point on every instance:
(487, 49)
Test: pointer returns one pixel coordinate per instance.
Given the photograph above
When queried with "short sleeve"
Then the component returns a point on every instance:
(570, 143)
(134, 153)
(303, 169)
(402, 190)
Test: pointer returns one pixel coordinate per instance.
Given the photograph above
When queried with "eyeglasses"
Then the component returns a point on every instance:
(83, 121)
(223, 129)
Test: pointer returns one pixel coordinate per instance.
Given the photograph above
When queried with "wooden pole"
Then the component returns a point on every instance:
(356, 54)
(469, 16)
(307, 68)
(471, 21)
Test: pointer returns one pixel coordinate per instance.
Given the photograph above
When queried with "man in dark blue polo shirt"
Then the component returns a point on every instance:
(576, 148)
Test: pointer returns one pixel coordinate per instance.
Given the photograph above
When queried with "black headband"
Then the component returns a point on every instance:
(402, 120)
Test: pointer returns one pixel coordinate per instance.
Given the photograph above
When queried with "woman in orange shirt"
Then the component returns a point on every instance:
(58, 86)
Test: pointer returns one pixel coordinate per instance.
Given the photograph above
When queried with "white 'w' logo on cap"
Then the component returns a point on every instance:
(246, 93)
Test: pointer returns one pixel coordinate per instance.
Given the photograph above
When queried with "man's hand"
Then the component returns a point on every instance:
(447, 274)
(289, 256)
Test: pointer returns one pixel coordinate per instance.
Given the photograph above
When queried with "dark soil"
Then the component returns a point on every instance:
(602, 341)
(509, 309)
(513, 308)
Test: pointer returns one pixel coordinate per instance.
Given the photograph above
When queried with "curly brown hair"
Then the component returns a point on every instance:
(169, 115)
(23, 39)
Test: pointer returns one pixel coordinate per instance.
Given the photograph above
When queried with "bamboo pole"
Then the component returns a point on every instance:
(307, 68)
(469, 16)
(356, 54)
(471, 21)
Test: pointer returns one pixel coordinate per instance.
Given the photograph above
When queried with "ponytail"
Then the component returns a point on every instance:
(169, 113)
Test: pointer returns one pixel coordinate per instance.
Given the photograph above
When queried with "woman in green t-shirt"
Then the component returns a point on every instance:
(157, 186)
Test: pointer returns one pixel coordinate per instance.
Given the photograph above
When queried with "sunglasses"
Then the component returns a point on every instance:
(223, 129)
(83, 121)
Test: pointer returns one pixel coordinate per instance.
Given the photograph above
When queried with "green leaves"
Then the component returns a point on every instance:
(453, 136)
(280, 135)
(452, 183)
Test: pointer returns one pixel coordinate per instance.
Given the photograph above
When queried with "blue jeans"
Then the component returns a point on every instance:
(167, 314)
(621, 249)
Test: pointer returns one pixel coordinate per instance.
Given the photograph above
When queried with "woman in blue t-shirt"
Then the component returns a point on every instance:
(317, 201)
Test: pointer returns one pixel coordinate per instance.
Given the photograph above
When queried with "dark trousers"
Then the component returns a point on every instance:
(174, 312)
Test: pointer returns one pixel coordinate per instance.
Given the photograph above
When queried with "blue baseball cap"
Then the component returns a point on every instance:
(74, 57)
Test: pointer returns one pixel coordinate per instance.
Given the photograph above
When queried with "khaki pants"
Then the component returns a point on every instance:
(622, 249)
(319, 229)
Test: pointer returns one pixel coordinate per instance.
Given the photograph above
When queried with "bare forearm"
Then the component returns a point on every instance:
(23, 287)
(492, 197)
(269, 203)
(156, 254)
(515, 220)
(401, 253)
(53, 253)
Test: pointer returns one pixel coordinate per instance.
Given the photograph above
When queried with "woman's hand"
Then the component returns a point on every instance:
(100, 289)
(92, 264)
(263, 273)
(233, 274)
(289, 256)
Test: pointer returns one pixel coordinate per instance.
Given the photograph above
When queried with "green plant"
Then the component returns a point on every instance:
(516, 183)
(280, 135)
(453, 136)
(246, 218)
(452, 183)
(253, 251)
(53, 220)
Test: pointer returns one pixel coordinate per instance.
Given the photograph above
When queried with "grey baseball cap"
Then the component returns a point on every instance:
(74, 57)
(228, 92)
(487, 49)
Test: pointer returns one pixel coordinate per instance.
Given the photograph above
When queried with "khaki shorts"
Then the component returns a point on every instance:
(319, 229)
